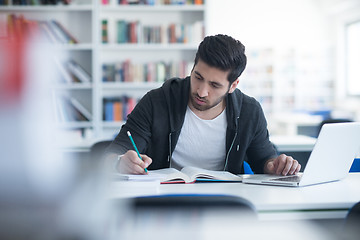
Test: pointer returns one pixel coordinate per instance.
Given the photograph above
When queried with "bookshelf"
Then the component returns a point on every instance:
(290, 83)
(70, 28)
(83, 19)
(152, 56)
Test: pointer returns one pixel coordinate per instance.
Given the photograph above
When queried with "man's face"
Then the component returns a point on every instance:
(209, 87)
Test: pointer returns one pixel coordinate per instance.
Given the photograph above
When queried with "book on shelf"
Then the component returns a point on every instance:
(127, 32)
(185, 175)
(79, 107)
(104, 31)
(72, 72)
(68, 36)
(37, 2)
(118, 111)
(54, 34)
(160, 2)
(109, 75)
(121, 30)
(136, 32)
(70, 109)
(117, 74)
(46, 31)
(65, 113)
(109, 110)
(137, 73)
(150, 72)
(58, 31)
(118, 108)
(161, 72)
(78, 72)
(127, 71)
(52, 30)
(64, 74)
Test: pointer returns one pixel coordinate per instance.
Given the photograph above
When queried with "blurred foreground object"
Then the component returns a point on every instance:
(41, 194)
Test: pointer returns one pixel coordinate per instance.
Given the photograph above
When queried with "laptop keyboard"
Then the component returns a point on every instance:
(294, 178)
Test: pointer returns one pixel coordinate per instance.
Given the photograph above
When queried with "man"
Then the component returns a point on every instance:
(202, 120)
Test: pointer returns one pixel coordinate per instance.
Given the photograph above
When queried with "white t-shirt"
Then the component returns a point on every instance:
(202, 143)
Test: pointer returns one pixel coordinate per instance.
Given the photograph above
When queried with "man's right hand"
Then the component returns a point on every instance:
(130, 163)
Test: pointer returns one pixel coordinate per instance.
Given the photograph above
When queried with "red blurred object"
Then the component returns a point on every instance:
(12, 72)
(13, 57)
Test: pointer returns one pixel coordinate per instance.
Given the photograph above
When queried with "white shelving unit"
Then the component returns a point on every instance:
(82, 18)
(289, 80)
(78, 19)
(142, 53)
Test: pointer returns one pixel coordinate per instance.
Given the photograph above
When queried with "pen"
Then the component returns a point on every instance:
(133, 143)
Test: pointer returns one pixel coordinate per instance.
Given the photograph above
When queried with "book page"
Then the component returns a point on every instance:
(195, 173)
(170, 174)
(138, 177)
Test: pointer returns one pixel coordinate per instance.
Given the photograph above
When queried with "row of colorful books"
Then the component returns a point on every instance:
(33, 2)
(69, 109)
(156, 2)
(127, 71)
(136, 32)
(118, 108)
(72, 72)
(51, 30)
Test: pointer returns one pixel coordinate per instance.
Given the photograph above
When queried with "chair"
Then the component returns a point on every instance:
(185, 216)
(187, 206)
(93, 160)
(331, 120)
(351, 230)
(247, 168)
(193, 202)
(97, 150)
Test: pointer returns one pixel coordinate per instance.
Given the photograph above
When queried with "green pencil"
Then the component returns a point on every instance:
(133, 143)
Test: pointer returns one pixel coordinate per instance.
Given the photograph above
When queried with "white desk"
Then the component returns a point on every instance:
(323, 201)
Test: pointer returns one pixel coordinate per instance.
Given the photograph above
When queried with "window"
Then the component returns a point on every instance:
(353, 58)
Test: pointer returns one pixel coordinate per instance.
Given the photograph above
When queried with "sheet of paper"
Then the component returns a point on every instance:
(138, 177)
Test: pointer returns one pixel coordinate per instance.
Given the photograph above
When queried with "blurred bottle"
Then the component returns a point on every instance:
(41, 195)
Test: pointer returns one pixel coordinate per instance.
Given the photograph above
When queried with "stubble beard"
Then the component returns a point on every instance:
(206, 106)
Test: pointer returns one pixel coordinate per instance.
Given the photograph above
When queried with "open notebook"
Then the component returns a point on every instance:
(330, 160)
(186, 175)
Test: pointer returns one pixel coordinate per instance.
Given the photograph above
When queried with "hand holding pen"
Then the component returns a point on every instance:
(132, 162)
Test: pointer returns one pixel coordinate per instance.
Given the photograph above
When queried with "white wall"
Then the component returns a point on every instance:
(299, 24)
(271, 23)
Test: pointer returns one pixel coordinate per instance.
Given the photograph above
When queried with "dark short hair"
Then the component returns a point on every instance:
(223, 52)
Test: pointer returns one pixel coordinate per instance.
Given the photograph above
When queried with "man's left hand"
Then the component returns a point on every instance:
(282, 165)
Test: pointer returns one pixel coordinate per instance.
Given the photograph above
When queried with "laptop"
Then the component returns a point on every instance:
(330, 159)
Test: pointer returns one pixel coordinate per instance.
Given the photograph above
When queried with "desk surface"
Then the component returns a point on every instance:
(322, 201)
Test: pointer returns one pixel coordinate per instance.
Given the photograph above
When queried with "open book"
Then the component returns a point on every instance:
(186, 175)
